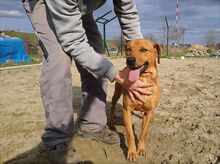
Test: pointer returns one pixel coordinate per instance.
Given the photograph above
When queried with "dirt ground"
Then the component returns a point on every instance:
(185, 128)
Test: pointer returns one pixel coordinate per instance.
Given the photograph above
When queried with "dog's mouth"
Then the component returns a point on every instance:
(135, 71)
(132, 64)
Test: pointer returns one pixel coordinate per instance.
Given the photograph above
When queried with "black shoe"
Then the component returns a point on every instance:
(104, 135)
(63, 154)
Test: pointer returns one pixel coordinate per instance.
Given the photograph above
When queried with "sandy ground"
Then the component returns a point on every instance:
(185, 129)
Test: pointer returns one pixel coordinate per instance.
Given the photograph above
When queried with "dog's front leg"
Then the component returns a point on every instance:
(132, 152)
(145, 126)
(117, 94)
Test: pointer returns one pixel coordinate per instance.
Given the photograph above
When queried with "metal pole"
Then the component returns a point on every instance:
(104, 40)
(183, 34)
(103, 15)
(121, 43)
(167, 36)
(104, 36)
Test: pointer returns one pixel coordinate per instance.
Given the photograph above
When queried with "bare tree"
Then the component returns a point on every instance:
(150, 36)
(217, 46)
(210, 39)
(175, 35)
(116, 41)
(118, 44)
(163, 38)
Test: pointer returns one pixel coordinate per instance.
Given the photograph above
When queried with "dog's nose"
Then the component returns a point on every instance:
(131, 62)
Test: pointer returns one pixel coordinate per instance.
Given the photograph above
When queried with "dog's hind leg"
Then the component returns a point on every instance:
(145, 126)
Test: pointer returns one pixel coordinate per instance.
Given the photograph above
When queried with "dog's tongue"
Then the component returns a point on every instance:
(134, 74)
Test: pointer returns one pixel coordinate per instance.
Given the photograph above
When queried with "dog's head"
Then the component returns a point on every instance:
(142, 52)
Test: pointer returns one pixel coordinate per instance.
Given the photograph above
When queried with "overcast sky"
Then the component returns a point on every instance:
(198, 17)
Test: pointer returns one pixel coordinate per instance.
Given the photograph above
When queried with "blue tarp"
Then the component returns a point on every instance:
(12, 50)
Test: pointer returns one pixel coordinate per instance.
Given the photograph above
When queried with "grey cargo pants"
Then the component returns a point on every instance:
(56, 79)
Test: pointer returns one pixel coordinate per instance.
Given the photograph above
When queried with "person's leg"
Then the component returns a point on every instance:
(56, 87)
(55, 80)
(93, 114)
(93, 117)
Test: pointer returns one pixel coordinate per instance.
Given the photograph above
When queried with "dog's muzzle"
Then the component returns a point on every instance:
(131, 63)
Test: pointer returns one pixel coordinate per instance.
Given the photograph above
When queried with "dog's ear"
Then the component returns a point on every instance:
(158, 50)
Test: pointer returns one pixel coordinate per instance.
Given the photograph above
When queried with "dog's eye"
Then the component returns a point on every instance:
(144, 50)
(128, 49)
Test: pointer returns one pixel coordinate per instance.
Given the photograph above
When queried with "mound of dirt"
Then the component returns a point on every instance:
(196, 50)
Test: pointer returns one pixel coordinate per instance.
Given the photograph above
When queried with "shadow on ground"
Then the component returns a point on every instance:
(38, 154)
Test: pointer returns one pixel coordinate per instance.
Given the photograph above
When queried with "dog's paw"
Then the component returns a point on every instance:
(132, 156)
(142, 151)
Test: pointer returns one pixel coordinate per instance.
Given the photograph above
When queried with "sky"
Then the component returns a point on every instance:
(197, 17)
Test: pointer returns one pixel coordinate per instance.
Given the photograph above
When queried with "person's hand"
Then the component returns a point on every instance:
(138, 89)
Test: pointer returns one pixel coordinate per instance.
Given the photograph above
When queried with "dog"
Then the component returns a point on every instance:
(141, 58)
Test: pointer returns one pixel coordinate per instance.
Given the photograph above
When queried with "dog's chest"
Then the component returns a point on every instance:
(137, 105)
(151, 101)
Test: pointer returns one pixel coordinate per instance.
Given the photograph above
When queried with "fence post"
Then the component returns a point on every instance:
(167, 36)
(104, 21)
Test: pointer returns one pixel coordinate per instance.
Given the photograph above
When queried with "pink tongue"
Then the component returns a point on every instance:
(134, 75)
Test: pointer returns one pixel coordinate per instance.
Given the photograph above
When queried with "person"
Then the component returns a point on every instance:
(67, 31)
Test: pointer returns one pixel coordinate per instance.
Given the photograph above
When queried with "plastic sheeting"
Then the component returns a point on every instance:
(12, 50)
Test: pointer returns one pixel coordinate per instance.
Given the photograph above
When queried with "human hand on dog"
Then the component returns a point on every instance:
(137, 89)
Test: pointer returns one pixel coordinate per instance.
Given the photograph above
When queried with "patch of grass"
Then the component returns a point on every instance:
(163, 55)
(23, 35)
(17, 64)
(173, 54)
(115, 56)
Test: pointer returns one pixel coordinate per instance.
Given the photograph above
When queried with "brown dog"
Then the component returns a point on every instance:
(141, 60)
